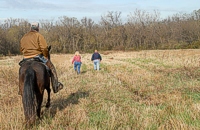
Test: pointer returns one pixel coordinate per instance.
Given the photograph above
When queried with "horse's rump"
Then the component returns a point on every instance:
(40, 70)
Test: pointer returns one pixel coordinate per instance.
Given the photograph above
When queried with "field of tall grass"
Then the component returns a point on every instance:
(147, 90)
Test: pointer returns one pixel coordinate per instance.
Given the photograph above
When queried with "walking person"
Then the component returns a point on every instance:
(96, 58)
(33, 45)
(77, 62)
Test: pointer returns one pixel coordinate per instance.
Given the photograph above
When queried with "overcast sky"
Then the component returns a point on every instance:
(35, 10)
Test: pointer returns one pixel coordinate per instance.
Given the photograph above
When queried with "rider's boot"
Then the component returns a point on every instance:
(54, 79)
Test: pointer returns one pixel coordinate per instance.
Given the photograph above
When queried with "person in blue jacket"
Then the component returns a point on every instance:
(96, 58)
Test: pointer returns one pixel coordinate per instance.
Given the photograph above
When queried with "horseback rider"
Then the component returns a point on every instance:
(33, 45)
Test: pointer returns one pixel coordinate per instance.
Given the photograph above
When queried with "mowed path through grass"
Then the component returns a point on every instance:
(133, 90)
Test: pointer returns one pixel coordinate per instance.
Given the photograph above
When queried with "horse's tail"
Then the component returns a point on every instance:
(29, 98)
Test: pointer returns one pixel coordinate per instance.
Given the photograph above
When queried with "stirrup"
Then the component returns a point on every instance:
(60, 86)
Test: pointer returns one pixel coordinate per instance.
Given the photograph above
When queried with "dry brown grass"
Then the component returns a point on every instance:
(133, 90)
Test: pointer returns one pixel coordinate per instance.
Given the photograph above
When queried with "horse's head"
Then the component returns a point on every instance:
(49, 48)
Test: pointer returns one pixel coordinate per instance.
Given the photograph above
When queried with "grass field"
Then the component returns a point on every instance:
(144, 90)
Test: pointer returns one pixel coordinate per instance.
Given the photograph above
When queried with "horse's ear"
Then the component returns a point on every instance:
(49, 48)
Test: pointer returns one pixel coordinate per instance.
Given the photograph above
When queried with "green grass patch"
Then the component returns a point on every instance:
(98, 118)
(192, 94)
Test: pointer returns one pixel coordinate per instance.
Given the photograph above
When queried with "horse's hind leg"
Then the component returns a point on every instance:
(39, 107)
(48, 99)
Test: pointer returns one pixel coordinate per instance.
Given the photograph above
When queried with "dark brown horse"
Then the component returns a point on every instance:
(33, 80)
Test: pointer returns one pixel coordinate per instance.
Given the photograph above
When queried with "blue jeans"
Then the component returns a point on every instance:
(77, 66)
(96, 64)
(41, 57)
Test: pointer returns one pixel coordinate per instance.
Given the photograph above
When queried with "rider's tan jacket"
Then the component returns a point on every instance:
(33, 44)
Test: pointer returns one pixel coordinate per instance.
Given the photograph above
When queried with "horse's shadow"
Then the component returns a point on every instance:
(83, 72)
(62, 103)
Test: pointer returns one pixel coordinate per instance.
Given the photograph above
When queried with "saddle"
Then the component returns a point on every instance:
(38, 60)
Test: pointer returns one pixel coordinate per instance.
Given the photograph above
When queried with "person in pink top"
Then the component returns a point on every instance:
(77, 62)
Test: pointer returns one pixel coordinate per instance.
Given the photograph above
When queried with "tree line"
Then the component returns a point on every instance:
(141, 31)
